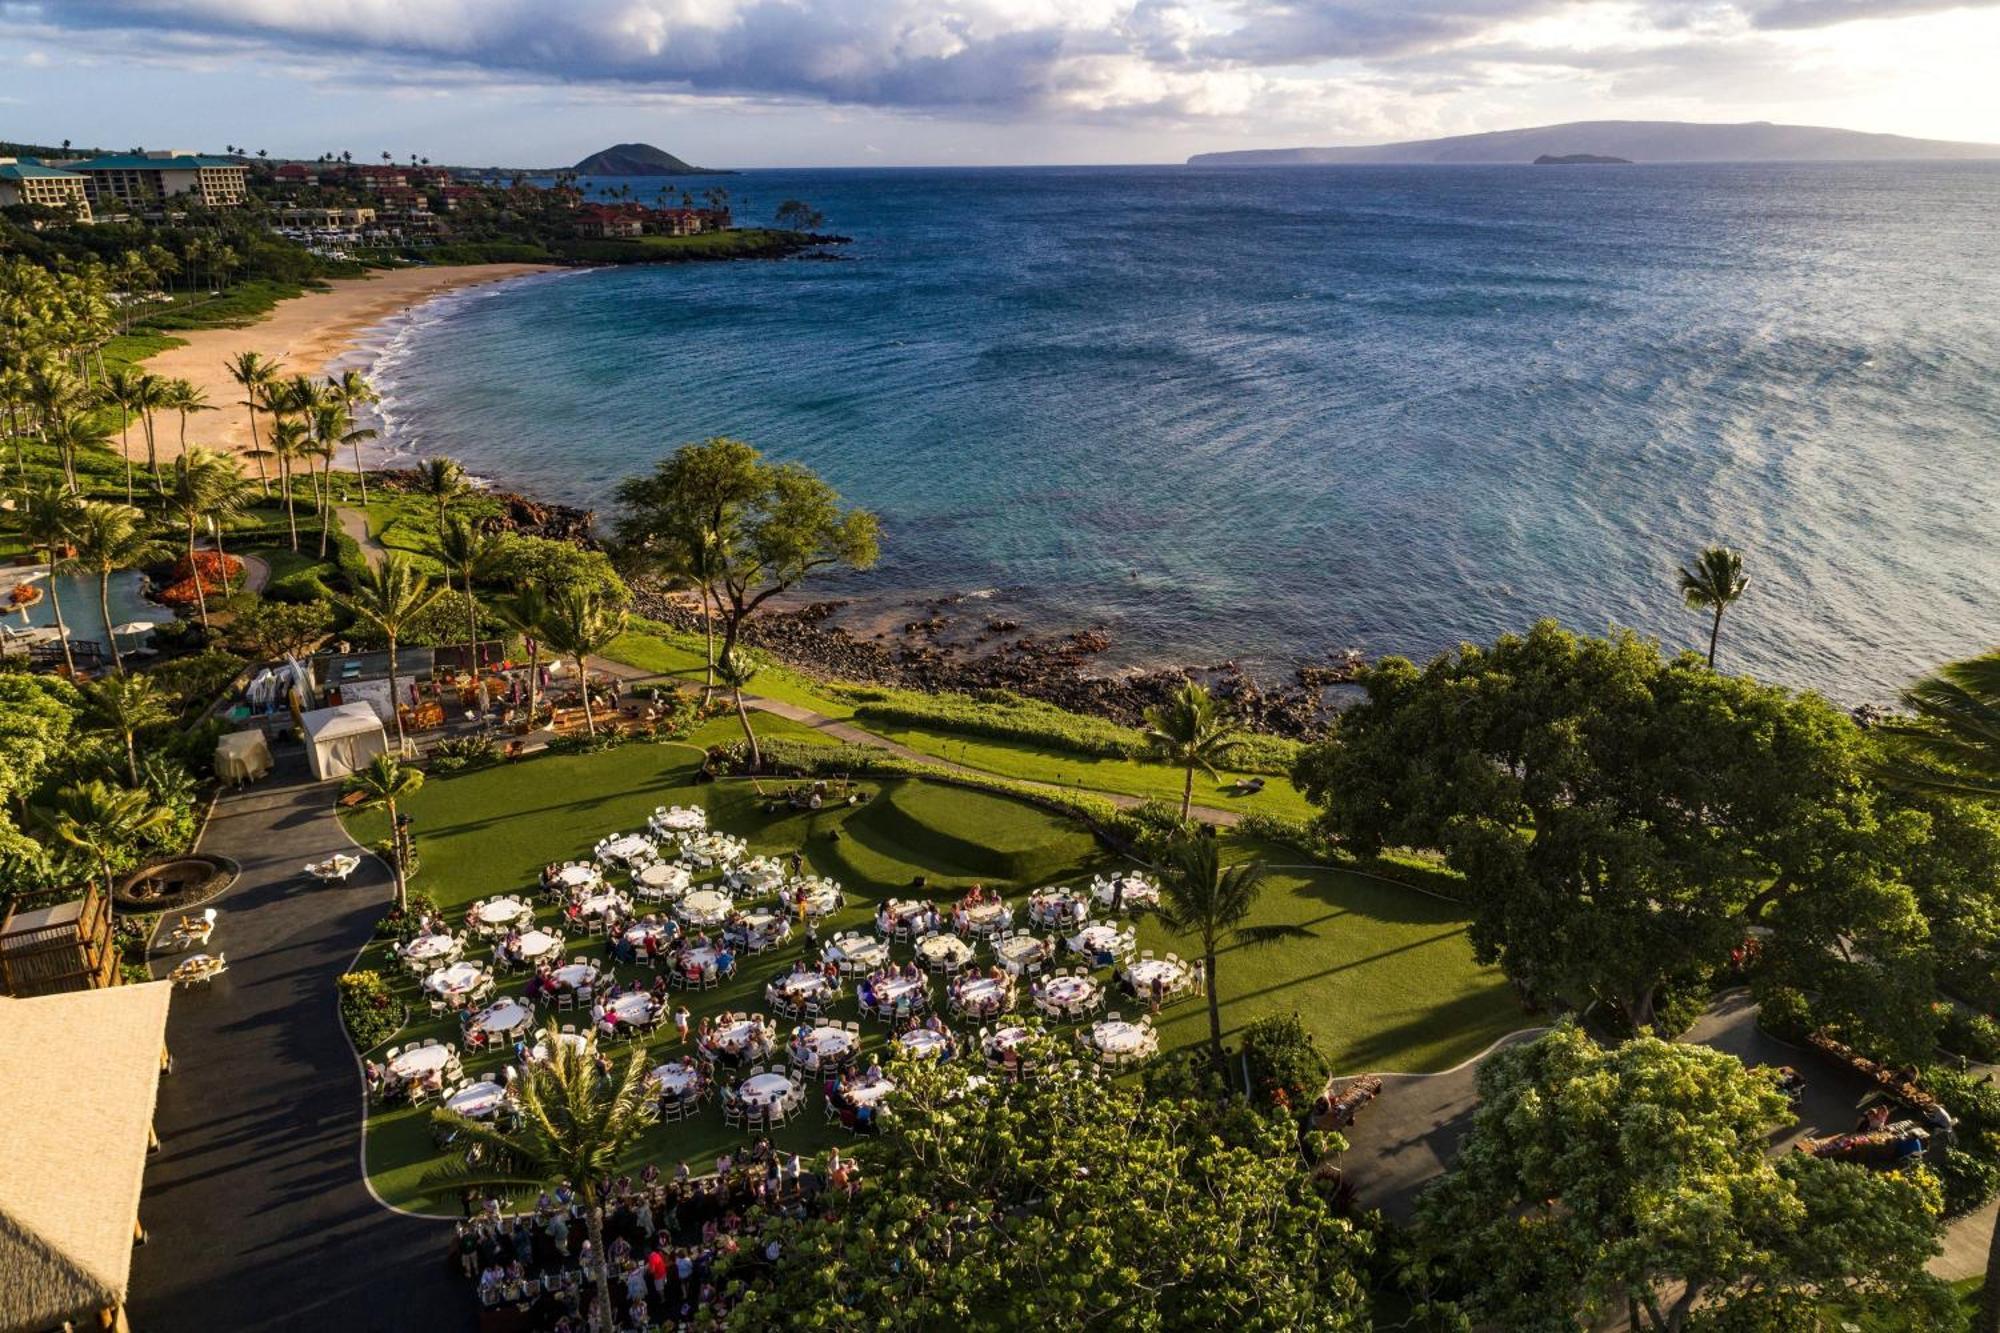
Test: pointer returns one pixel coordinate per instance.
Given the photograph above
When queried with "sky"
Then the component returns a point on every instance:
(764, 83)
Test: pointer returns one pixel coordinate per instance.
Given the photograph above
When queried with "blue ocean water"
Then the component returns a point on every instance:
(1264, 414)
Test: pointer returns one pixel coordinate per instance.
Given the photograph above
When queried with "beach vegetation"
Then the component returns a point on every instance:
(1713, 583)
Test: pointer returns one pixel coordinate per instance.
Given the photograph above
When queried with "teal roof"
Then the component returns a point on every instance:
(140, 162)
(27, 167)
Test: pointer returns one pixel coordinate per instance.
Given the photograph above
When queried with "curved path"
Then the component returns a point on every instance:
(258, 1214)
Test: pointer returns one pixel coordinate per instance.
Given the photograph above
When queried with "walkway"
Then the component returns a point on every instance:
(354, 522)
(255, 1201)
(849, 734)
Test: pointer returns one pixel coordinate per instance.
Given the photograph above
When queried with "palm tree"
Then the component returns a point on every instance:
(389, 596)
(443, 479)
(126, 706)
(206, 486)
(353, 389)
(384, 782)
(185, 396)
(1713, 583)
(573, 1125)
(102, 820)
(579, 625)
(526, 613)
(1199, 897)
(1951, 747)
(149, 395)
(1189, 732)
(255, 374)
(735, 672)
(47, 513)
(468, 553)
(120, 388)
(289, 440)
(111, 537)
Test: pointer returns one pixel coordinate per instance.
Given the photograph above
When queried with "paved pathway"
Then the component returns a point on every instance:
(354, 522)
(258, 1213)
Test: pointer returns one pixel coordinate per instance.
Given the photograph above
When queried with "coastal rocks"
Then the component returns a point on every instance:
(518, 513)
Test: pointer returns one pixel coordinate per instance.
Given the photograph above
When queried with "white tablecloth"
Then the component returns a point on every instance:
(597, 904)
(1117, 1037)
(577, 877)
(859, 950)
(1067, 991)
(923, 1042)
(1002, 1039)
(1139, 891)
(454, 980)
(1172, 975)
(822, 897)
(827, 1040)
(800, 986)
(890, 991)
(703, 907)
(680, 819)
(664, 876)
(1099, 939)
(943, 949)
(576, 974)
(1017, 951)
(420, 1060)
(867, 1094)
(677, 1079)
(699, 957)
(633, 1008)
(628, 848)
(985, 917)
(978, 992)
(477, 1100)
(742, 1035)
(535, 945)
(504, 1017)
(574, 1040)
(636, 936)
(500, 911)
(764, 1089)
(426, 947)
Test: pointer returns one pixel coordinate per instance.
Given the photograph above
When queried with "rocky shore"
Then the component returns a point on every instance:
(518, 513)
(1058, 669)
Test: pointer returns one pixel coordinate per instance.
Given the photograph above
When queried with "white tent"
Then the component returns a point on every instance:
(242, 756)
(341, 740)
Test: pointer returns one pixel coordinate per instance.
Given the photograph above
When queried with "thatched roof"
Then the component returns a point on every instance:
(78, 1073)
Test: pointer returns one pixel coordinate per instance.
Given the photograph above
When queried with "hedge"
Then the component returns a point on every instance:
(371, 1013)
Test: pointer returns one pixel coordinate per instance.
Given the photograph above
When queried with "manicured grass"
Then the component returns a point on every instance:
(653, 647)
(1387, 980)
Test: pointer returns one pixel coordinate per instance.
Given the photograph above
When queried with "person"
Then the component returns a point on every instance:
(1158, 992)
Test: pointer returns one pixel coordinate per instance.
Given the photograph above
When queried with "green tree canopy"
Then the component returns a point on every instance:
(1595, 1176)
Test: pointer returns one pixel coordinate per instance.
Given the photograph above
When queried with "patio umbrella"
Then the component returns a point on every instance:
(134, 627)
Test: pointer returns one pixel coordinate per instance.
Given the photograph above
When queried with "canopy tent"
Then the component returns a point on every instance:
(342, 740)
(78, 1074)
(242, 756)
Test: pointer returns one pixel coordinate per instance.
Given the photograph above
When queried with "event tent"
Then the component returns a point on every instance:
(242, 756)
(341, 740)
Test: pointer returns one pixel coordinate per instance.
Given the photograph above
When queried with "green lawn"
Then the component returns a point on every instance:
(667, 652)
(1387, 981)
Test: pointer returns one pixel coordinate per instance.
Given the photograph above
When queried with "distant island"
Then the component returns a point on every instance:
(640, 159)
(1580, 160)
(1632, 140)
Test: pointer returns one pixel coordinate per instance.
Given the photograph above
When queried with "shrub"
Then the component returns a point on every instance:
(1968, 1180)
(1283, 1058)
(584, 743)
(1974, 1036)
(371, 1013)
(1785, 1013)
(394, 924)
(218, 573)
(1297, 834)
(456, 753)
(192, 683)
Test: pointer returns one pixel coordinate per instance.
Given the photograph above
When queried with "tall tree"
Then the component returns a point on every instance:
(443, 479)
(290, 441)
(468, 554)
(353, 390)
(150, 394)
(121, 387)
(203, 487)
(574, 1125)
(185, 396)
(764, 526)
(102, 821)
(47, 513)
(1713, 583)
(580, 625)
(126, 706)
(386, 781)
(525, 613)
(1638, 1178)
(736, 672)
(108, 538)
(1202, 898)
(390, 596)
(1189, 732)
(256, 374)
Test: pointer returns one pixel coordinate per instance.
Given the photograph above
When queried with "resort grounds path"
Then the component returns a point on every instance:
(850, 734)
(258, 1213)
(354, 522)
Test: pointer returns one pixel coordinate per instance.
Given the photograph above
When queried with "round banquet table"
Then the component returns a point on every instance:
(577, 877)
(858, 951)
(980, 994)
(829, 1042)
(1139, 891)
(504, 1017)
(476, 1101)
(1067, 991)
(798, 987)
(628, 848)
(889, 992)
(698, 957)
(676, 1078)
(740, 1036)
(704, 907)
(680, 819)
(574, 1040)
(426, 947)
(867, 1094)
(576, 974)
(664, 876)
(454, 980)
(1005, 1039)
(763, 921)
(762, 1090)
(1098, 939)
(420, 1060)
(1018, 951)
(1057, 910)
(1172, 976)
(636, 936)
(760, 878)
(822, 898)
(535, 945)
(923, 1043)
(634, 1008)
(597, 904)
(500, 911)
(984, 917)
(947, 949)
(1117, 1037)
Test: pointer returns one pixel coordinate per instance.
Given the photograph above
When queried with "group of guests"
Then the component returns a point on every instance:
(921, 918)
(979, 896)
(696, 970)
(911, 1023)
(869, 991)
(712, 1046)
(674, 1248)
(662, 933)
(741, 933)
(857, 1114)
(991, 1001)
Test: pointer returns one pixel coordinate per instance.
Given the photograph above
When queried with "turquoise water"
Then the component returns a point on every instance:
(1265, 414)
(78, 594)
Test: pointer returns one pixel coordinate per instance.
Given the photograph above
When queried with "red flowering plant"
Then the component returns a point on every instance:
(218, 573)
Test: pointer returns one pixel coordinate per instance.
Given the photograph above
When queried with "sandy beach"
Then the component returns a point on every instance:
(304, 334)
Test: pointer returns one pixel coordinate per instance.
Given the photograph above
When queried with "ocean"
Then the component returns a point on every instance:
(1264, 415)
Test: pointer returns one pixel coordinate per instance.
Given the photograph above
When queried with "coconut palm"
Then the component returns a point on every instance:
(185, 396)
(289, 442)
(102, 820)
(47, 513)
(126, 706)
(255, 374)
(108, 538)
(120, 387)
(573, 1125)
(149, 395)
(1951, 747)
(1189, 732)
(1202, 898)
(735, 673)
(203, 486)
(390, 596)
(73, 434)
(353, 389)
(443, 479)
(525, 613)
(1713, 583)
(579, 625)
(469, 554)
(385, 781)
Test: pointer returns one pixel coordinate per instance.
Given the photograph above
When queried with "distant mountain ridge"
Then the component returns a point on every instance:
(640, 159)
(1638, 140)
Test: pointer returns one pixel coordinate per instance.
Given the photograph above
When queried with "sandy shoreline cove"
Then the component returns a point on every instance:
(306, 334)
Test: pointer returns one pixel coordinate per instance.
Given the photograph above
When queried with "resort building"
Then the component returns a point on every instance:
(48, 947)
(603, 222)
(23, 180)
(145, 181)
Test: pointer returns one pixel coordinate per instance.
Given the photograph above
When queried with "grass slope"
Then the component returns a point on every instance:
(1387, 981)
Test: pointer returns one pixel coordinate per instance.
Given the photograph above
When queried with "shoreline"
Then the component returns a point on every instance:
(306, 334)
